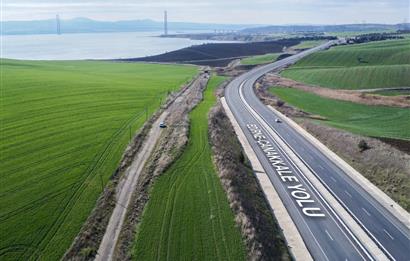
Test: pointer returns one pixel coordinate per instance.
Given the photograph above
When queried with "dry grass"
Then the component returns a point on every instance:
(263, 236)
(401, 101)
(85, 245)
(385, 166)
(169, 148)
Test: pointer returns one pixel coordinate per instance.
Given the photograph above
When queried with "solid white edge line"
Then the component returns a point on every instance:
(385, 201)
(293, 238)
(380, 246)
(263, 122)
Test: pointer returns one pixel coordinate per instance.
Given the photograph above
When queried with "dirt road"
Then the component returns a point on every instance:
(124, 192)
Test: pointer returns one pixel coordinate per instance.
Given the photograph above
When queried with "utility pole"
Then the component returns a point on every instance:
(165, 23)
(58, 24)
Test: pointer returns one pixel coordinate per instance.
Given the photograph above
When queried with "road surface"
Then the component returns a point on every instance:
(326, 235)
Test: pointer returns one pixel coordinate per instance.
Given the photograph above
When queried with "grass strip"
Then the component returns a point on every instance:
(188, 216)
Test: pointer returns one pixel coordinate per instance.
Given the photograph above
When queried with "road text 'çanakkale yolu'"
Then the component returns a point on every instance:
(297, 191)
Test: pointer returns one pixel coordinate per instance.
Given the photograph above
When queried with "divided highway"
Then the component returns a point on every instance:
(325, 234)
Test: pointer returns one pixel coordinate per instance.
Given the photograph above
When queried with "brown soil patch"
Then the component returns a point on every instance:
(403, 145)
(343, 95)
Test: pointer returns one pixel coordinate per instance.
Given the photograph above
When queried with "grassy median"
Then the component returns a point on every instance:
(188, 216)
(64, 127)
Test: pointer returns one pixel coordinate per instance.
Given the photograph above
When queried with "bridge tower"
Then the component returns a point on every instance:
(165, 23)
(58, 24)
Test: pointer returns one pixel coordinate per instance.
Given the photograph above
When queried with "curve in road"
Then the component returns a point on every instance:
(326, 237)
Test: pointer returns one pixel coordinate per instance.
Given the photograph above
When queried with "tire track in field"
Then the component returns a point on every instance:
(189, 166)
(80, 188)
(68, 206)
(176, 169)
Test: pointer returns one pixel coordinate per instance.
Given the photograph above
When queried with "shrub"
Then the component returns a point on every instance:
(363, 145)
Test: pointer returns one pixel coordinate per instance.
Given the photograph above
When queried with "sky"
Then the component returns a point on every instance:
(215, 11)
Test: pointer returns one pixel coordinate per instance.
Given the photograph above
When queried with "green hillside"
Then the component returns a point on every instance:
(260, 59)
(377, 121)
(64, 127)
(361, 66)
(188, 216)
(308, 44)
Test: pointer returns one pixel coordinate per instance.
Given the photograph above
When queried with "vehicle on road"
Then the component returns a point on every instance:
(278, 120)
(162, 125)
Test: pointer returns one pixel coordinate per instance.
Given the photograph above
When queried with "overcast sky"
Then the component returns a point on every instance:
(215, 11)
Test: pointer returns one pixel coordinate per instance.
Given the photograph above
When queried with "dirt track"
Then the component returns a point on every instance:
(124, 192)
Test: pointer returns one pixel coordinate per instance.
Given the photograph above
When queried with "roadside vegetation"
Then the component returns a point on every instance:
(260, 59)
(64, 128)
(393, 92)
(308, 44)
(374, 121)
(363, 66)
(188, 216)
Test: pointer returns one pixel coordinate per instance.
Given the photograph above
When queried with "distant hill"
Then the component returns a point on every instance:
(218, 54)
(326, 28)
(85, 25)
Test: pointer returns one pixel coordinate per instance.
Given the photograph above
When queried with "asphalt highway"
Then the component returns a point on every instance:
(325, 234)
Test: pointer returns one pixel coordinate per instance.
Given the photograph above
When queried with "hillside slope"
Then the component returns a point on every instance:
(64, 127)
(363, 66)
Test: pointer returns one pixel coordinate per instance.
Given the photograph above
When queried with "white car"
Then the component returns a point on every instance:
(278, 120)
(162, 125)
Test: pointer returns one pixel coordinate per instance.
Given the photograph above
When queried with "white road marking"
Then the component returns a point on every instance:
(320, 166)
(328, 234)
(348, 193)
(366, 212)
(261, 121)
(334, 180)
(392, 238)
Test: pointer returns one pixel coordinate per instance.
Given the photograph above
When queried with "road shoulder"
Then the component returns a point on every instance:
(390, 205)
(294, 240)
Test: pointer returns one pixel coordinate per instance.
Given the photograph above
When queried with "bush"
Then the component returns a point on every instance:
(363, 145)
(280, 103)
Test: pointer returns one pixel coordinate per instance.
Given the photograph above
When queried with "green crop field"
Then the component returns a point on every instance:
(188, 216)
(64, 127)
(308, 44)
(356, 33)
(376, 121)
(363, 66)
(260, 59)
